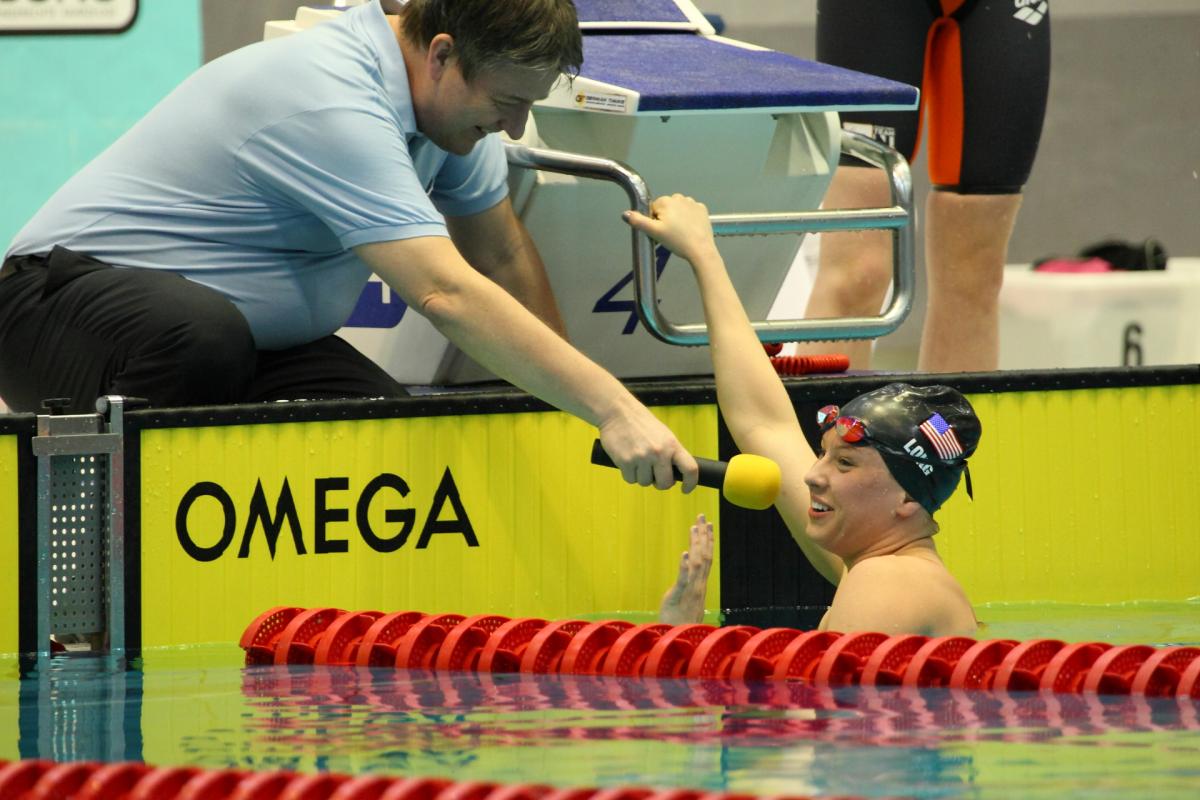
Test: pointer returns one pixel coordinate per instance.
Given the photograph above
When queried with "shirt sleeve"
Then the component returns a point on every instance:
(469, 184)
(349, 168)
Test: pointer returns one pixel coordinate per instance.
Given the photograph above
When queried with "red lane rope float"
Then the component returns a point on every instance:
(490, 643)
(977, 667)
(33, 779)
(933, 664)
(464, 643)
(758, 655)
(545, 650)
(342, 639)
(418, 649)
(377, 648)
(261, 635)
(297, 643)
(1022, 667)
(1159, 676)
(507, 644)
(844, 660)
(802, 655)
(810, 365)
(588, 648)
(888, 662)
(628, 653)
(670, 655)
(715, 654)
(1067, 670)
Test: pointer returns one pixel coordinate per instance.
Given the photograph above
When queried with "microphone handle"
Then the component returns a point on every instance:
(712, 473)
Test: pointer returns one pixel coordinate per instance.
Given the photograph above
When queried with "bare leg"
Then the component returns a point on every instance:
(855, 268)
(966, 247)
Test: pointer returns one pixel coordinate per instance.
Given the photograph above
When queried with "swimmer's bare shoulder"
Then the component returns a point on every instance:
(897, 594)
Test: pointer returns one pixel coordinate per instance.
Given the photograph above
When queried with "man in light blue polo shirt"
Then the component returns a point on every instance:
(209, 254)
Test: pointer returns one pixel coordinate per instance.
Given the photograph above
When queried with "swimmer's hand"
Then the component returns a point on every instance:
(680, 224)
(645, 450)
(684, 602)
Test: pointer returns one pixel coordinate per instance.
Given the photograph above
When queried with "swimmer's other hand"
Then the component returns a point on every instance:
(683, 603)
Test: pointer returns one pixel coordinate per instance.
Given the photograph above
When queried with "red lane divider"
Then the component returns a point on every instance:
(418, 649)
(977, 667)
(89, 780)
(464, 644)
(933, 664)
(588, 648)
(802, 655)
(628, 654)
(261, 636)
(844, 661)
(342, 639)
(1022, 668)
(492, 643)
(670, 655)
(377, 648)
(758, 655)
(506, 646)
(889, 661)
(1160, 675)
(715, 654)
(545, 650)
(1069, 667)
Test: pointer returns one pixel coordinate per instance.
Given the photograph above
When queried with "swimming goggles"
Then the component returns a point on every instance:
(853, 430)
(850, 430)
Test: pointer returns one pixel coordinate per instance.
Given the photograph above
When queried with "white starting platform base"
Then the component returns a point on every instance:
(1108, 319)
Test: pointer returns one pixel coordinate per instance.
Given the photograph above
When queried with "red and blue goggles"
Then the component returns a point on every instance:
(850, 430)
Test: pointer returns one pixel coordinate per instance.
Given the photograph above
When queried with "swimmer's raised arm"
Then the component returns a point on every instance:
(755, 405)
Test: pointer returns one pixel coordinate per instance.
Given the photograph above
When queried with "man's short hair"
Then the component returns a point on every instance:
(538, 34)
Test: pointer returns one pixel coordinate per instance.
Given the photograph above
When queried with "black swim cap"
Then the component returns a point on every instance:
(925, 435)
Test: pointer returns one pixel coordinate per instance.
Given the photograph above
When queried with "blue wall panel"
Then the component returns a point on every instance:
(63, 99)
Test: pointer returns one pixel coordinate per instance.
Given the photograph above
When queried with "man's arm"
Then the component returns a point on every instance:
(498, 245)
(754, 403)
(490, 326)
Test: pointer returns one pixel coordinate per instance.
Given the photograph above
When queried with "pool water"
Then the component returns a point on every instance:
(199, 706)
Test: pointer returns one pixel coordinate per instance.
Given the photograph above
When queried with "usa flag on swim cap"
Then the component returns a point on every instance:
(941, 436)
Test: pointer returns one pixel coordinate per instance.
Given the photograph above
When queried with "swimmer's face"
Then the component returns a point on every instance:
(458, 113)
(853, 498)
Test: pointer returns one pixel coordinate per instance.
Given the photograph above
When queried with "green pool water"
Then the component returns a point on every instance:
(199, 705)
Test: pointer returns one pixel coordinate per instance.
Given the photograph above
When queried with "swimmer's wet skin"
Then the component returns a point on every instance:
(861, 510)
(879, 522)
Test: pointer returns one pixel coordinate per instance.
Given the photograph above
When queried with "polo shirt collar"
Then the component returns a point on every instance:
(391, 66)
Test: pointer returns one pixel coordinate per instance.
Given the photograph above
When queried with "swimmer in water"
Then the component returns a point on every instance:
(860, 500)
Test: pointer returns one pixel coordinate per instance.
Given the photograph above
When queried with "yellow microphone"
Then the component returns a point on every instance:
(746, 480)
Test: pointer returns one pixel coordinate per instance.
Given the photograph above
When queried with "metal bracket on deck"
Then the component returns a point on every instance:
(81, 527)
(897, 218)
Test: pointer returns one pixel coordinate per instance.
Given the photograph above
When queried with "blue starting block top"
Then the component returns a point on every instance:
(630, 11)
(679, 72)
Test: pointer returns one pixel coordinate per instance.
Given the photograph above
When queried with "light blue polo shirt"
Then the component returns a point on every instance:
(260, 171)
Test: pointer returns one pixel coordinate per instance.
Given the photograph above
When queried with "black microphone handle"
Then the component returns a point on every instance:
(712, 473)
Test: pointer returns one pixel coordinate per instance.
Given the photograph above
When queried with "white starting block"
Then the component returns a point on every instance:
(1105, 319)
(665, 103)
(306, 17)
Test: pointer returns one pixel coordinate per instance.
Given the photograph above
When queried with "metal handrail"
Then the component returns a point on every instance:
(897, 218)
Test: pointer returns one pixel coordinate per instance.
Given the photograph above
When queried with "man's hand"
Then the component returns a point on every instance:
(645, 450)
(684, 602)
